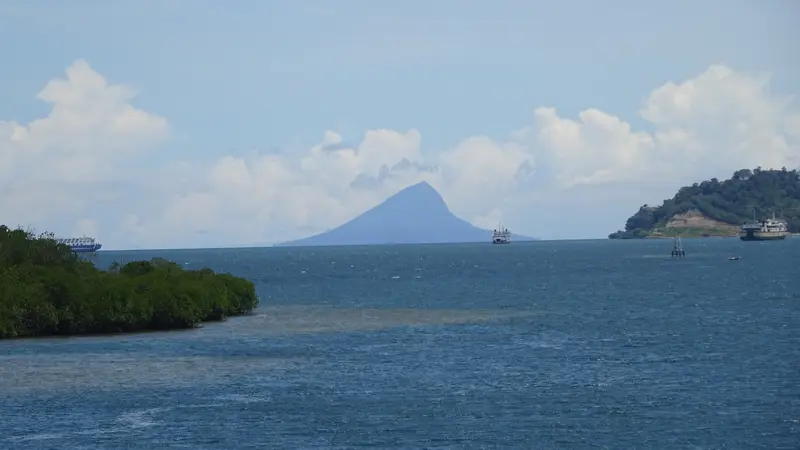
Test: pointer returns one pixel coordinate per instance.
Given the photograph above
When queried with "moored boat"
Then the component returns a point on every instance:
(764, 230)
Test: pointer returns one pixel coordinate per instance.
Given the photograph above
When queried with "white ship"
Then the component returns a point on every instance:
(764, 230)
(501, 235)
(81, 244)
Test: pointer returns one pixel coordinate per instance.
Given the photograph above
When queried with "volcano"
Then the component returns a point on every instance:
(415, 215)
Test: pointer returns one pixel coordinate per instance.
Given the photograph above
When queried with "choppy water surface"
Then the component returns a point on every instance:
(594, 344)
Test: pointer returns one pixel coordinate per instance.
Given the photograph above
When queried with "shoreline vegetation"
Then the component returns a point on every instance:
(714, 208)
(48, 290)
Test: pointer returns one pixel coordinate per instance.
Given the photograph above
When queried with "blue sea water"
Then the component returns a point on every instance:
(572, 344)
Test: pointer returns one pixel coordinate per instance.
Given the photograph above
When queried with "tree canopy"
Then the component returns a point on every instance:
(46, 289)
(732, 201)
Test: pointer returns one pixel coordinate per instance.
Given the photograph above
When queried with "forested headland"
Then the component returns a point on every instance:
(718, 208)
(46, 289)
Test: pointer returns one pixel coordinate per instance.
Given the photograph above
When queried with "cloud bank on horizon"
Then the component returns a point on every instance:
(81, 168)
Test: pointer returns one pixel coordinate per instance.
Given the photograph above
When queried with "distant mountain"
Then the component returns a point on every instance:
(415, 215)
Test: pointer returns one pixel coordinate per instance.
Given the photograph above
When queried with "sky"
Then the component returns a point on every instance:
(192, 123)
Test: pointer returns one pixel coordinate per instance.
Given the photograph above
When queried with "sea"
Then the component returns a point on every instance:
(593, 344)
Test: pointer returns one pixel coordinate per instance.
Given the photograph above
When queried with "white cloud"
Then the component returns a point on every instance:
(595, 149)
(721, 120)
(47, 165)
(555, 177)
(478, 174)
(90, 126)
(272, 197)
(85, 227)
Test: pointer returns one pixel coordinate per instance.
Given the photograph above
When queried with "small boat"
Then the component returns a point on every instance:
(733, 258)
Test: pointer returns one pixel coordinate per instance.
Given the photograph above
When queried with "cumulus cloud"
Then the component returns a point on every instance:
(51, 166)
(723, 119)
(90, 126)
(554, 177)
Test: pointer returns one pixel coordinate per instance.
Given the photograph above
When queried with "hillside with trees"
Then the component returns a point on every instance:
(46, 289)
(718, 208)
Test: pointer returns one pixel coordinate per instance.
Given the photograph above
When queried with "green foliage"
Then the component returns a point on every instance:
(46, 289)
(731, 201)
(637, 233)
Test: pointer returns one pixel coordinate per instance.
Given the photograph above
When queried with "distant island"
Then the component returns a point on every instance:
(714, 208)
(415, 215)
(46, 289)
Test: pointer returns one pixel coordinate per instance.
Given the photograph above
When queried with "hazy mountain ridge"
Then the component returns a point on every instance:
(415, 215)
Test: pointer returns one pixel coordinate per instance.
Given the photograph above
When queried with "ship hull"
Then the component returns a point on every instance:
(499, 241)
(86, 248)
(760, 236)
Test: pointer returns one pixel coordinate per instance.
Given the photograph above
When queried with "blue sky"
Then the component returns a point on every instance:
(274, 75)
